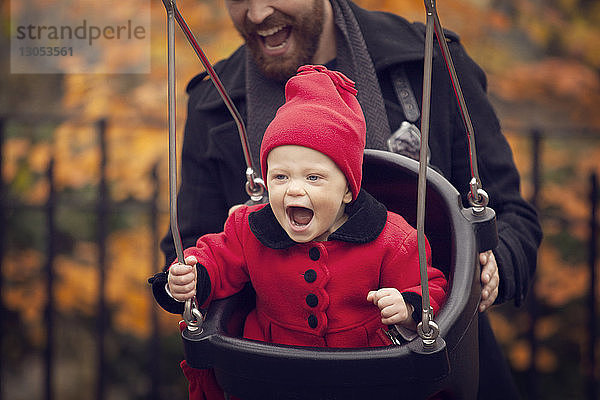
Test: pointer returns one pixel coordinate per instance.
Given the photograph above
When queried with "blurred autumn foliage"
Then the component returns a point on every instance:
(543, 66)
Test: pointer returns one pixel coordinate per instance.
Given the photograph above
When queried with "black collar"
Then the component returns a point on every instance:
(366, 220)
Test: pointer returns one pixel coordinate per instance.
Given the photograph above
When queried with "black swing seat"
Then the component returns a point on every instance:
(256, 370)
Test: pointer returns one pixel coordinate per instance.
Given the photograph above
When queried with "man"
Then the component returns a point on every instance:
(383, 54)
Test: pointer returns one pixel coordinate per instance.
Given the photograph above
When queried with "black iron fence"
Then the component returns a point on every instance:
(151, 358)
(103, 209)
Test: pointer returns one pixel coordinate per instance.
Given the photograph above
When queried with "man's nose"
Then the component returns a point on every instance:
(259, 10)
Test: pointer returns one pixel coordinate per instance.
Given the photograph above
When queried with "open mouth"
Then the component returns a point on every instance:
(275, 38)
(299, 216)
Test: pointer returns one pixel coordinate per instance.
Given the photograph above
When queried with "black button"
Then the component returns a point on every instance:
(310, 275)
(314, 254)
(312, 321)
(312, 300)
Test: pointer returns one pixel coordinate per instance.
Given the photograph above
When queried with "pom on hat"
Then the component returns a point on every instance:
(321, 112)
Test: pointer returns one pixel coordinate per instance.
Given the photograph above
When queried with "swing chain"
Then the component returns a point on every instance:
(255, 187)
(192, 316)
(478, 198)
(430, 6)
(430, 337)
(427, 329)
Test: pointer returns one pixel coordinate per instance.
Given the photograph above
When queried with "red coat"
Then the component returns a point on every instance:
(314, 294)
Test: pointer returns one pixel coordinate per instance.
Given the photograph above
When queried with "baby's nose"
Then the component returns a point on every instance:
(295, 188)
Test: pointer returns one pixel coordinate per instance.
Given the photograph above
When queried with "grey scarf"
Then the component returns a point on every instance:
(265, 96)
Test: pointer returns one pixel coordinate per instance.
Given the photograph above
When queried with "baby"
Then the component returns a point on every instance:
(330, 265)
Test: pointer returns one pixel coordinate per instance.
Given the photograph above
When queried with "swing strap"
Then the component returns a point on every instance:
(478, 198)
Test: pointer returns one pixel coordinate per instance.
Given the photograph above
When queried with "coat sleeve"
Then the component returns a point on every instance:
(222, 256)
(221, 267)
(518, 226)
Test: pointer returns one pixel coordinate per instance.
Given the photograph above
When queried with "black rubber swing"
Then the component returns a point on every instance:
(444, 365)
(256, 370)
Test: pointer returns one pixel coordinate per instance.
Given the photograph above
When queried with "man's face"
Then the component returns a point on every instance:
(308, 193)
(281, 34)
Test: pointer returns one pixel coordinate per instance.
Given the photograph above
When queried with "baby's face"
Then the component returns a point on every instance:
(307, 191)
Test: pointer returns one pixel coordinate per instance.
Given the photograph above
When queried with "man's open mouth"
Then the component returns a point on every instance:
(275, 38)
(299, 216)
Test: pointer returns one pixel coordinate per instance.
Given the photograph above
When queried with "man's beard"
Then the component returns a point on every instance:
(307, 29)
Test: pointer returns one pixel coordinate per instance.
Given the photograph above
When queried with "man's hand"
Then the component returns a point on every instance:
(490, 279)
(182, 279)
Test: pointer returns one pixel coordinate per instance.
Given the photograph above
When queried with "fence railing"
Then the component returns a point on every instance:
(103, 208)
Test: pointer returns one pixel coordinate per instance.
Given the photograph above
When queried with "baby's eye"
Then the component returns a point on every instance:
(279, 177)
(312, 178)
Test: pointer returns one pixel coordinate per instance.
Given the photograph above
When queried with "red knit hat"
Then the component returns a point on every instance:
(321, 112)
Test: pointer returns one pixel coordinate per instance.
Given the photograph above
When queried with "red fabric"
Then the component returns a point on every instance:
(202, 383)
(320, 112)
(343, 275)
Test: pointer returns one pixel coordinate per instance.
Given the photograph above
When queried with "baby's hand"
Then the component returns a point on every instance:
(182, 279)
(393, 308)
